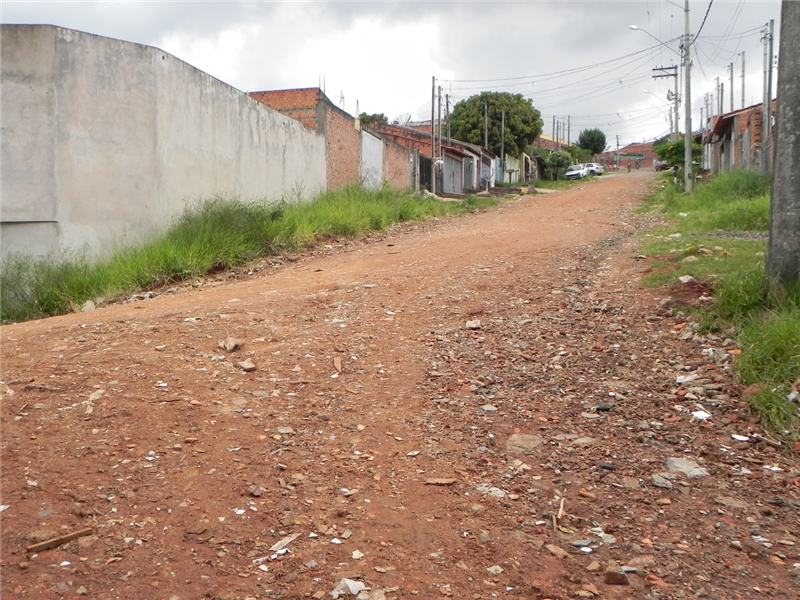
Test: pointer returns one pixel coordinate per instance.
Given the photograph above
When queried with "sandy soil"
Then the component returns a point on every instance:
(489, 406)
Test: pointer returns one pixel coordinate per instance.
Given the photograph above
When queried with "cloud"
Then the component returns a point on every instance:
(383, 54)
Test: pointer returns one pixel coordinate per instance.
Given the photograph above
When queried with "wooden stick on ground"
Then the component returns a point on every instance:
(58, 541)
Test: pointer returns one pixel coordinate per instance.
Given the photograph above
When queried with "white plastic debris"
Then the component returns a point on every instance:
(701, 415)
(773, 468)
(348, 586)
(280, 545)
(740, 438)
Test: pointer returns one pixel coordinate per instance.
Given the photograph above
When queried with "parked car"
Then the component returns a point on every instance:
(577, 172)
(595, 169)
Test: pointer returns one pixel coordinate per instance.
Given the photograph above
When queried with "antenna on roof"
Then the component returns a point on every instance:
(402, 120)
(341, 98)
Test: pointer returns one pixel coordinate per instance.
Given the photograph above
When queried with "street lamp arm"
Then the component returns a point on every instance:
(635, 28)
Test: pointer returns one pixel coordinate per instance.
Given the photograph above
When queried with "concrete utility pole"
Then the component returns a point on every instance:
(743, 100)
(767, 134)
(503, 144)
(689, 136)
(731, 87)
(433, 135)
(439, 124)
(783, 255)
(486, 125)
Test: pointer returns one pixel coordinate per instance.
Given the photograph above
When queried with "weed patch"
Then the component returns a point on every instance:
(718, 236)
(209, 236)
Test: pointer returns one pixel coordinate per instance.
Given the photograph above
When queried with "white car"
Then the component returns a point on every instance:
(577, 172)
(595, 169)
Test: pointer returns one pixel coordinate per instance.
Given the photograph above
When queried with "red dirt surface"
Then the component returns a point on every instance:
(475, 407)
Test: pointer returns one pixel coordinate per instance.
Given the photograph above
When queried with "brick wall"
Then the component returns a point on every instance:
(408, 138)
(397, 166)
(343, 148)
(301, 104)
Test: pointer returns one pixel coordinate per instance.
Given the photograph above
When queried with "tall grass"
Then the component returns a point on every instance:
(211, 235)
(766, 326)
(736, 201)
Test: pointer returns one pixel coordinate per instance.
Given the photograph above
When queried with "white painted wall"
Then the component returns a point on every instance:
(371, 161)
(105, 141)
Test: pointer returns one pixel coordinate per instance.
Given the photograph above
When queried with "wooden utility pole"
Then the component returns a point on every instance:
(783, 256)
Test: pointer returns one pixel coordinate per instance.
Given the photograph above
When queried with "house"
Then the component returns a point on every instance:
(735, 140)
(638, 154)
(460, 168)
(354, 154)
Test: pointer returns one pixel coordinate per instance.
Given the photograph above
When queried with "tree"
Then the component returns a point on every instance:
(558, 160)
(370, 119)
(580, 155)
(783, 255)
(523, 123)
(672, 153)
(593, 140)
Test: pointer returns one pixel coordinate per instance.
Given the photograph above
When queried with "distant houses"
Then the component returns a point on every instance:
(735, 140)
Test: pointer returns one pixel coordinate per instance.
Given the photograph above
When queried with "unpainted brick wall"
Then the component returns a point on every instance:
(344, 148)
(397, 168)
(298, 104)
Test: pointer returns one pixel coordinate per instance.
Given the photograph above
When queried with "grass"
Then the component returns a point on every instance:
(559, 184)
(211, 235)
(715, 225)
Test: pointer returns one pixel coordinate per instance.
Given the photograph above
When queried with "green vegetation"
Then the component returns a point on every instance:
(212, 235)
(723, 225)
(673, 153)
(592, 140)
(523, 123)
(556, 161)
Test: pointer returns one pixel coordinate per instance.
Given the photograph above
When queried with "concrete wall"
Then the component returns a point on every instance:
(371, 161)
(104, 140)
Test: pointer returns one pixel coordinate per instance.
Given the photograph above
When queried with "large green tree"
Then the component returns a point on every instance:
(523, 123)
(593, 140)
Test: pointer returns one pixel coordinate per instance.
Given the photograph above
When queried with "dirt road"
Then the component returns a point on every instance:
(480, 407)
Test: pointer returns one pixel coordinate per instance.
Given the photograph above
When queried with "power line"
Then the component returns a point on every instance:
(697, 35)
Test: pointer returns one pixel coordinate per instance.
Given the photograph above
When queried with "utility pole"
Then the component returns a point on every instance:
(671, 71)
(783, 254)
(447, 114)
(503, 144)
(689, 136)
(731, 67)
(569, 137)
(555, 145)
(486, 125)
(439, 124)
(767, 152)
(743, 101)
(433, 135)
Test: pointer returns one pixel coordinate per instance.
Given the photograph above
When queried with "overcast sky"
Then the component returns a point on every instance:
(577, 61)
